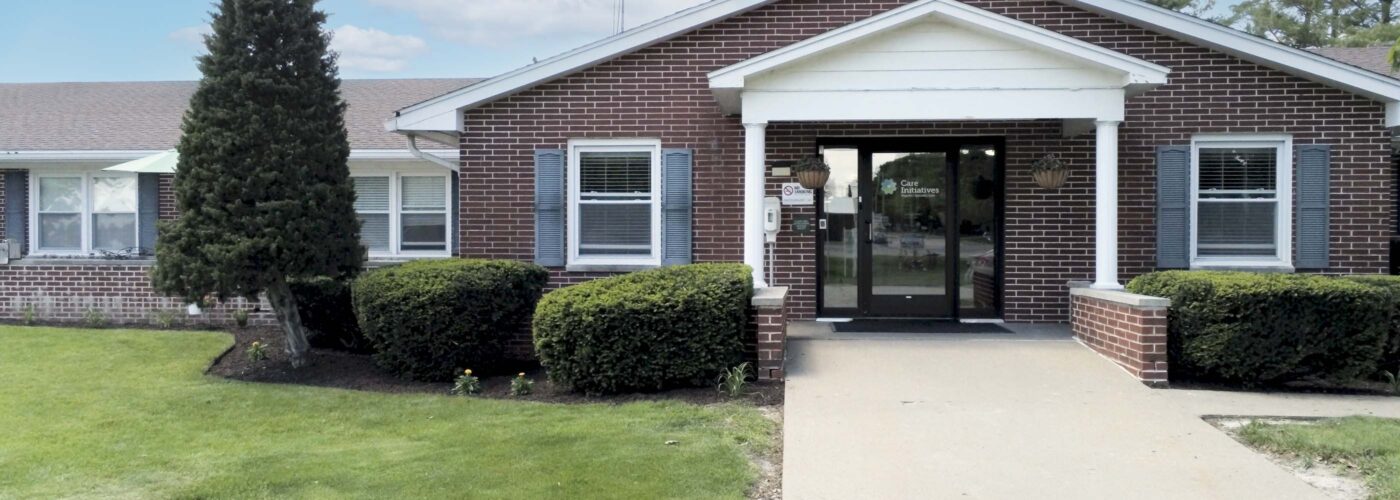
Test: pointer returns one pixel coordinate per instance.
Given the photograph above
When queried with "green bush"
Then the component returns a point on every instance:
(645, 331)
(1256, 329)
(1391, 360)
(428, 320)
(329, 314)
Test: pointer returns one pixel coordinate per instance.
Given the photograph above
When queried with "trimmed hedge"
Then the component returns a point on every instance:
(329, 314)
(429, 319)
(645, 331)
(1391, 359)
(1256, 329)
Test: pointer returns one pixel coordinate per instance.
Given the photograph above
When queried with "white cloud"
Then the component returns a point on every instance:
(369, 49)
(192, 34)
(498, 23)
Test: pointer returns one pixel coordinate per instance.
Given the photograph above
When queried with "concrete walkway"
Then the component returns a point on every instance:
(1030, 415)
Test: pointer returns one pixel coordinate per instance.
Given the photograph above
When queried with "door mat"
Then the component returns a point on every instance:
(915, 326)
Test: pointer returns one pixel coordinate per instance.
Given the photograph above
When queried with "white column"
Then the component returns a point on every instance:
(755, 144)
(1106, 193)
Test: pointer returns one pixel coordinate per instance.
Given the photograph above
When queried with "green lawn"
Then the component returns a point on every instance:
(129, 414)
(1371, 444)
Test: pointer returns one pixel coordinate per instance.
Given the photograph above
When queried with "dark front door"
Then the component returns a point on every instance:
(910, 229)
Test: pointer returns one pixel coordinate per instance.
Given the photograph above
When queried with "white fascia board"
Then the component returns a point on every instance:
(119, 156)
(398, 154)
(75, 156)
(927, 105)
(1136, 71)
(1252, 48)
(429, 114)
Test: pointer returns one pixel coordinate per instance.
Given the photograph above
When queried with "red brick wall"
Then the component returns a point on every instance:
(1134, 337)
(661, 91)
(62, 292)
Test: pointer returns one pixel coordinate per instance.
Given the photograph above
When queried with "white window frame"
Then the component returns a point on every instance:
(85, 223)
(579, 146)
(396, 211)
(1283, 196)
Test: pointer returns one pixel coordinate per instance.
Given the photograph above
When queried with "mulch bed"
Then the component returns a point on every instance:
(330, 368)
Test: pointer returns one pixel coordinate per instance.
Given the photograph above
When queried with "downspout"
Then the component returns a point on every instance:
(413, 149)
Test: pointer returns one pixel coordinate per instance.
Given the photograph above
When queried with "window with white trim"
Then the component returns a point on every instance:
(615, 202)
(1242, 203)
(404, 213)
(79, 213)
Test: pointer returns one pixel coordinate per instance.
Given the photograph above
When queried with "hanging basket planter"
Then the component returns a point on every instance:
(813, 179)
(812, 172)
(1049, 172)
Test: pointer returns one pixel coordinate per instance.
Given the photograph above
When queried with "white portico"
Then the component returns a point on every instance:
(938, 60)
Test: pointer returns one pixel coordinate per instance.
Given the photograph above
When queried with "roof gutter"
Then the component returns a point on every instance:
(413, 149)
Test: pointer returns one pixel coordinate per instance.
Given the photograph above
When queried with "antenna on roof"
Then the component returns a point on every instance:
(619, 17)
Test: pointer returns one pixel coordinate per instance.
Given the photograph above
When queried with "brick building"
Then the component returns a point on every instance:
(1184, 145)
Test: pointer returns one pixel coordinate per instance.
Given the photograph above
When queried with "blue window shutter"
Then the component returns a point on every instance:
(1173, 207)
(16, 206)
(676, 196)
(147, 210)
(549, 207)
(1314, 194)
(454, 215)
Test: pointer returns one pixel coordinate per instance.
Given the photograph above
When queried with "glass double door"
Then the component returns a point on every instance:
(910, 228)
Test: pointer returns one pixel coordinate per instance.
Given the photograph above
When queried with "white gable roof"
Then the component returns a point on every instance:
(443, 114)
(1134, 75)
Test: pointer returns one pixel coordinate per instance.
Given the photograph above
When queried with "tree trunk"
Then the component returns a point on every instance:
(1386, 6)
(284, 306)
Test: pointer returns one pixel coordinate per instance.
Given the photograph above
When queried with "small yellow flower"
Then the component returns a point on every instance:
(468, 372)
(522, 375)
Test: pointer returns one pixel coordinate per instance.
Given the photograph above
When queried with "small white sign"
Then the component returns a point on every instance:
(796, 195)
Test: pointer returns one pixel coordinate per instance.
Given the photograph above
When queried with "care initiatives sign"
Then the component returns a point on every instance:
(795, 194)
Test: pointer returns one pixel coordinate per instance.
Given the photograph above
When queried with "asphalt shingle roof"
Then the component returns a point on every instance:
(1370, 58)
(147, 115)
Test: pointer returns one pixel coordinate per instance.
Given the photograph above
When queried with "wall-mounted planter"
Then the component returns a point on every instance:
(1049, 172)
(812, 172)
(813, 179)
(1050, 179)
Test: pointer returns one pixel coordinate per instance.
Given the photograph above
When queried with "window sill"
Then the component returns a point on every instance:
(608, 268)
(39, 260)
(1269, 266)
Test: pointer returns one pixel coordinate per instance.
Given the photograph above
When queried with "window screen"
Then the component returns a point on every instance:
(423, 218)
(1237, 202)
(615, 203)
(60, 213)
(372, 207)
(113, 213)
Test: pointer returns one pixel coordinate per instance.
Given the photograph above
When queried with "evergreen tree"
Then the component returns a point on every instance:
(262, 187)
(1198, 8)
(1306, 23)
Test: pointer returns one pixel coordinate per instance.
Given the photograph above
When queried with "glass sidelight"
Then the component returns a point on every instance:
(911, 228)
(840, 271)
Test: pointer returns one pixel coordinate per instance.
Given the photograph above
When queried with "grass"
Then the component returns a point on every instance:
(129, 414)
(1370, 444)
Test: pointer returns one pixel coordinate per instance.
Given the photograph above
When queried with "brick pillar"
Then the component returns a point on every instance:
(768, 322)
(1128, 328)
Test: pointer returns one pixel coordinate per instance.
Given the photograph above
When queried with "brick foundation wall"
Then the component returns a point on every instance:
(662, 91)
(767, 333)
(65, 293)
(1129, 329)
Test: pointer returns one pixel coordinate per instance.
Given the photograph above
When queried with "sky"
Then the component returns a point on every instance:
(156, 40)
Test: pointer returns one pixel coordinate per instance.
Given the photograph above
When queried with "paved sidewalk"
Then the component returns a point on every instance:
(1032, 415)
